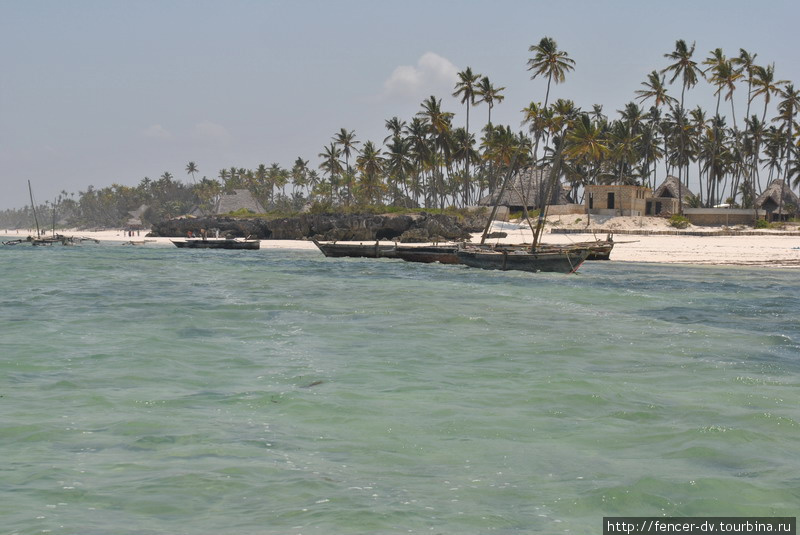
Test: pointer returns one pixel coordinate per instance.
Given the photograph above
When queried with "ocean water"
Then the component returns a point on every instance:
(151, 390)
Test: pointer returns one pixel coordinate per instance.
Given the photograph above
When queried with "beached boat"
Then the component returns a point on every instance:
(358, 250)
(534, 258)
(217, 243)
(40, 238)
(523, 260)
(448, 254)
(598, 250)
(444, 254)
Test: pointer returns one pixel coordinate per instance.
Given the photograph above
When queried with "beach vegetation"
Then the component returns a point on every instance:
(678, 221)
(434, 161)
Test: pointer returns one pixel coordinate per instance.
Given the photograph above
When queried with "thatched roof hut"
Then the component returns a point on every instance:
(669, 190)
(240, 199)
(135, 217)
(527, 184)
(770, 199)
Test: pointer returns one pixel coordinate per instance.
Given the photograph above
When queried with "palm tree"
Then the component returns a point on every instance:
(489, 94)
(553, 63)
(586, 144)
(622, 145)
(549, 61)
(438, 123)
(746, 64)
(421, 151)
(766, 86)
(597, 113)
(332, 166)
(347, 140)
(299, 175)
(261, 184)
(395, 127)
(656, 91)
(398, 165)
(755, 135)
(191, 169)
(467, 89)
(724, 76)
(649, 145)
(370, 164)
(278, 178)
(685, 67)
(787, 110)
(463, 151)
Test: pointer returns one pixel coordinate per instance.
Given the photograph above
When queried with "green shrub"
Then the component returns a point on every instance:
(761, 224)
(678, 221)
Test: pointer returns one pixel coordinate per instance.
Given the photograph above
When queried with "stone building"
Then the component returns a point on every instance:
(617, 200)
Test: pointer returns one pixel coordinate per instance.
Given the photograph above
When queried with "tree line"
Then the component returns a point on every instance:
(427, 161)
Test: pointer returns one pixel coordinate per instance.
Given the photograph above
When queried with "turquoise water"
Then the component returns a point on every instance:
(151, 390)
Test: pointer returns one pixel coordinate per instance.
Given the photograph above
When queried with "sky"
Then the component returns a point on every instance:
(98, 92)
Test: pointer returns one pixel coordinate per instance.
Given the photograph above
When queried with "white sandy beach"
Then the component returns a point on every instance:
(767, 248)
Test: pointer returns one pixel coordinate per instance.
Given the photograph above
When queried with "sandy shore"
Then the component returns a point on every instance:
(771, 250)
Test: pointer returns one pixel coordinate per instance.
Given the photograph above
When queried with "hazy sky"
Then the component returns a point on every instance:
(102, 92)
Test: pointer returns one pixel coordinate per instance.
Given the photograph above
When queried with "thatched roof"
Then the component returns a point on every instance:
(669, 188)
(525, 184)
(772, 195)
(135, 216)
(238, 200)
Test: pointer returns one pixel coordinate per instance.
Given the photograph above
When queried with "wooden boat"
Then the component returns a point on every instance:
(534, 258)
(523, 260)
(217, 243)
(357, 250)
(448, 254)
(444, 254)
(598, 250)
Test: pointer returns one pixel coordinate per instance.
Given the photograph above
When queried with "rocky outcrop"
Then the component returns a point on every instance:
(416, 227)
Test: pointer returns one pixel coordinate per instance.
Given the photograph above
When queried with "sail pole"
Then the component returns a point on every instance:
(33, 207)
(554, 172)
(500, 195)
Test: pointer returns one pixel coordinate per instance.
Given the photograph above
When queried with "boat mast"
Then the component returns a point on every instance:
(33, 207)
(555, 169)
(500, 196)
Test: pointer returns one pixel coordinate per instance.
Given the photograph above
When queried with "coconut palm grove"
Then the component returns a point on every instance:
(729, 153)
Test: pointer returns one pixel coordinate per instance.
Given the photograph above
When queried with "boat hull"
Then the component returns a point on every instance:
(356, 250)
(599, 250)
(444, 254)
(217, 244)
(555, 262)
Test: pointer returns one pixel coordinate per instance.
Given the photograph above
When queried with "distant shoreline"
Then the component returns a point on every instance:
(638, 240)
